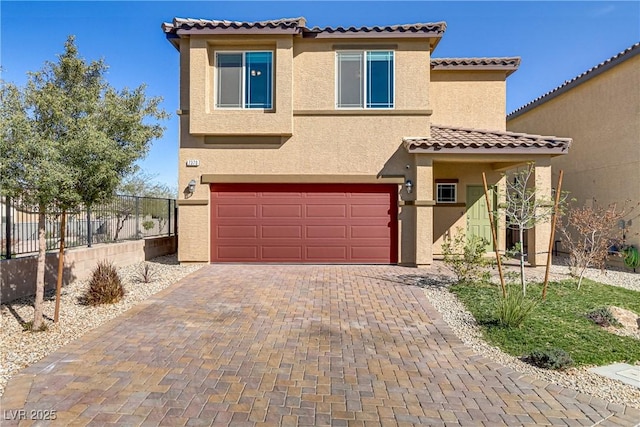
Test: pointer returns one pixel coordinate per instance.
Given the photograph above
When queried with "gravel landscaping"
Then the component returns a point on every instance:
(21, 349)
(580, 379)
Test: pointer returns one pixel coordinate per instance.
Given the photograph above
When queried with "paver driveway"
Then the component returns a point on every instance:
(306, 345)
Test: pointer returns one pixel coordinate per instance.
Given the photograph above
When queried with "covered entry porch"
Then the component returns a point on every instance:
(447, 190)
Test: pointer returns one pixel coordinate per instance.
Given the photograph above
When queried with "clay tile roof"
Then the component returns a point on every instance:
(569, 84)
(433, 29)
(448, 139)
(200, 24)
(510, 64)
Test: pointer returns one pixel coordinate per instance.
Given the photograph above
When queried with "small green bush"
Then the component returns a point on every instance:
(602, 316)
(554, 358)
(105, 286)
(465, 256)
(513, 310)
(148, 225)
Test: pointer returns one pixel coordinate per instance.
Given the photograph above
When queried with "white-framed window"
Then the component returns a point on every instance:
(244, 79)
(446, 192)
(365, 79)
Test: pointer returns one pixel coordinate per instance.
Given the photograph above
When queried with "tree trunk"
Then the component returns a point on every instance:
(522, 280)
(63, 232)
(42, 253)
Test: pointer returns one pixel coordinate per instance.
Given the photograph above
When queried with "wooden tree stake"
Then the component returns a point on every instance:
(63, 231)
(493, 235)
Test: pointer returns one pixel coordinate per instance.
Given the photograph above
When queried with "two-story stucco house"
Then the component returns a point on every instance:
(339, 145)
(600, 111)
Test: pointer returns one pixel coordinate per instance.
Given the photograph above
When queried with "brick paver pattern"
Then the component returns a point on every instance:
(290, 345)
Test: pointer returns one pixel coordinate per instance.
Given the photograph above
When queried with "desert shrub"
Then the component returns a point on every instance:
(148, 225)
(465, 256)
(105, 286)
(554, 358)
(512, 310)
(145, 273)
(602, 316)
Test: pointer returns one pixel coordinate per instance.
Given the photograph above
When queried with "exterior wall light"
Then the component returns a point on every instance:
(192, 186)
(409, 186)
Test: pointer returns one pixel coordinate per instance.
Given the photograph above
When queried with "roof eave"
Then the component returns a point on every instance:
(412, 148)
(508, 69)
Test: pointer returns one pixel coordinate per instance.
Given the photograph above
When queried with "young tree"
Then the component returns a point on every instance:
(70, 138)
(524, 208)
(588, 233)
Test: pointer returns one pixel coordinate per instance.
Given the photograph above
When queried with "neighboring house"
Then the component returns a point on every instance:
(339, 145)
(600, 111)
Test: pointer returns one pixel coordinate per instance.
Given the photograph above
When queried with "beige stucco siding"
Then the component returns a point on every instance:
(206, 119)
(315, 72)
(448, 218)
(470, 99)
(602, 115)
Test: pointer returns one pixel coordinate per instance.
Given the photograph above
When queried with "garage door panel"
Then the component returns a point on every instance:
(326, 211)
(281, 211)
(326, 231)
(369, 232)
(237, 231)
(365, 253)
(231, 253)
(322, 223)
(281, 231)
(237, 210)
(281, 253)
(326, 253)
(369, 211)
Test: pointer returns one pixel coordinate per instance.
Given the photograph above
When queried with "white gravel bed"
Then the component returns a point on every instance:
(21, 349)
(580, 379)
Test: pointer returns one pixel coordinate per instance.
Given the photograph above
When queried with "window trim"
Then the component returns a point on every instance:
(364, 79)
(244, 84)
(455, 192)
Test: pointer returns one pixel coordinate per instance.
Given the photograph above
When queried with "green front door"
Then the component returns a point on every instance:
(478, 223)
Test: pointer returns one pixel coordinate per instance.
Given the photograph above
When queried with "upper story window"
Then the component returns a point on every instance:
(244, 79)
(365, 79)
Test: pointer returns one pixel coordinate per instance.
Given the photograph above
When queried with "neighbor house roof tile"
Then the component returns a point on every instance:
(457, 139)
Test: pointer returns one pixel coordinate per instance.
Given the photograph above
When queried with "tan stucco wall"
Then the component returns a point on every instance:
(448, 218)
(205, 119)
(471, 99)
(602, 115)
(315, 72)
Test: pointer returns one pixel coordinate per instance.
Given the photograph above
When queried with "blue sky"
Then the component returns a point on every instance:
(556, 40)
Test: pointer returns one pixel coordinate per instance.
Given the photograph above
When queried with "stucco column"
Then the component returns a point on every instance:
(539, 236)
(424, 210)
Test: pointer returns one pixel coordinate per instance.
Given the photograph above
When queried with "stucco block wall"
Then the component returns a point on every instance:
(471, 99)
(602, 115)
(18, 276)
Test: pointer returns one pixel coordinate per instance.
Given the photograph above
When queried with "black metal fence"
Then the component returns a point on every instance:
(123, 218)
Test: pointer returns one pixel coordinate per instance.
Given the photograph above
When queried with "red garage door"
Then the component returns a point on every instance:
(312, 223)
